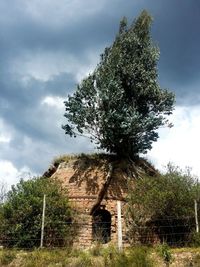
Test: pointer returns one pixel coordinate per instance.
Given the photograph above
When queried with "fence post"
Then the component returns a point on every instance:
(196, 216)
(43, 218)
(119, 225)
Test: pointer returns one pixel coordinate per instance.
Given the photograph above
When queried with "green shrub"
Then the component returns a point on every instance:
(21, 215)
(165, 253)
(194, 239)
(139, 257)
(120, 260)
(109, 253)
(161, 205)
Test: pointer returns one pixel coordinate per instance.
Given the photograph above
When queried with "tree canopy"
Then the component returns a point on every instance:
(120, 105)
(21, 214)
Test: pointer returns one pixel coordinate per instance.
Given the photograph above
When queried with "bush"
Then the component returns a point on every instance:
(22, 212)
(162, 207)
(140, 257)
(194, 239)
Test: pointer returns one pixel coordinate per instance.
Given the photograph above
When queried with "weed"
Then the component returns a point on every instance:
(165, 253)
(95, 250)
(7, 256)
(84, 260)
(135, 257)
(139, 257)
(45, 258)
(62, 158)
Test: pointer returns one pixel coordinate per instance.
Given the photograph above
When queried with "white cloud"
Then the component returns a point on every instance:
(4, 138)
(10, 175)
(5, 132)
(179, 144)
(55, 101)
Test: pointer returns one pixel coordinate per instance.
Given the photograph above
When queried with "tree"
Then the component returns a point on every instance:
(121, 105)
(22, 211)
(164, 204)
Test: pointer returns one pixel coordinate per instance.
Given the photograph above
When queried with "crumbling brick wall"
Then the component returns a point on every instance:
(83, 181)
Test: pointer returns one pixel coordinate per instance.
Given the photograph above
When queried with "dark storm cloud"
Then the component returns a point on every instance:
(177, 30)
(177, 33)
(25, 35)
(40, 124)
(36, 131)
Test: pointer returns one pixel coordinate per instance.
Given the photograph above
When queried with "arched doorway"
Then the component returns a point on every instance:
(101, 226)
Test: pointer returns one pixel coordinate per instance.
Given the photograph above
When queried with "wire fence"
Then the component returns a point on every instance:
(64, 234)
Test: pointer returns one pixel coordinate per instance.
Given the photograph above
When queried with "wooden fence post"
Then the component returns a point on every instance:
(43, 218)
(196, 216)
(119, 225)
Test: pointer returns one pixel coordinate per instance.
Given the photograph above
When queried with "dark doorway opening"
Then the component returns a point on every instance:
(101, 226)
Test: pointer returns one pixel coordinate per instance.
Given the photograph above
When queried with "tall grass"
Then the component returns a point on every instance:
(100, 256)
(95, 257)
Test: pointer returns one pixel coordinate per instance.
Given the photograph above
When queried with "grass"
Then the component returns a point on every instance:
(94, 156)
(7, 256)
(98, 256)
(94, 257)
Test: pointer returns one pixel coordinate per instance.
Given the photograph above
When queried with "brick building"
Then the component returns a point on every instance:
(95, 184)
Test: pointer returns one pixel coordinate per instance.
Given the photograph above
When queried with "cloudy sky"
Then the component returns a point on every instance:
(48, 46)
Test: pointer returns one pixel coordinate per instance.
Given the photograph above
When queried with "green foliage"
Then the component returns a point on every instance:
(22, 211)
(165, 253)
(121, 105)
(170, 194)
(194, 239)
(164, 201)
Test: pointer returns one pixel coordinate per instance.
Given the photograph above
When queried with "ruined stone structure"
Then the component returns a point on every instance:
(94, 186)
